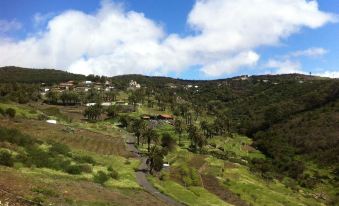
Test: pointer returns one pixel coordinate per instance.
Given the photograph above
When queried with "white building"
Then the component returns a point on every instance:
(134, 84)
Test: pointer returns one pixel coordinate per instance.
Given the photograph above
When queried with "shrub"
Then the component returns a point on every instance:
(112, 111)
(168, 141)
(74, 169)
(84, 159)
(114, 174)
(195, 176)
(86, 168)
(39, 158)
(58, 148)
(42, 117)
(100, 177)
(64, 164)
(164, 176)
(187, 181)
(15, 137)
(2, 111)
(189, 176)
(6, 158)
(11, 112)
(127, 162)
(110, 168)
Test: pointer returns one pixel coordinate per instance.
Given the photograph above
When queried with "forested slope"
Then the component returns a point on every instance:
(24, 75)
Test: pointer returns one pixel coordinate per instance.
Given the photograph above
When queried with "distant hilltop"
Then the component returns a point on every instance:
(27, 75)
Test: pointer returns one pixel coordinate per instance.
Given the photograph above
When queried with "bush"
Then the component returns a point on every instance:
(74, 169)
(42, 117)
(100, 177)
(2, 112)
(168, 141)
(164, 176)
(127, 162)
(112, 111)
(15, 137)
(189, 176)
(86, 168)
(84, 159)
(11, 112)
(58, 148)
(39, 158)
(110, 168)
(114, 174)
(6, 159)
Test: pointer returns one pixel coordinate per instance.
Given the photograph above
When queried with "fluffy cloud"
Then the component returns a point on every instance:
(114, 41)
(290, 62)
(330, 74)
(311, 52)
(285, 66)
(6, 26)
(40, 19)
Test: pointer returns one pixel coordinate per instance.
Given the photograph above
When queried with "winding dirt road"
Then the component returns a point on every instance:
(141, 174)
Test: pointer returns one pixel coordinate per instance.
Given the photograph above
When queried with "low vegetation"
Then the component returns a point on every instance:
(260, 140)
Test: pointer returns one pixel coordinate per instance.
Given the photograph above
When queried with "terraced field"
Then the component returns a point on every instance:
(77, 138)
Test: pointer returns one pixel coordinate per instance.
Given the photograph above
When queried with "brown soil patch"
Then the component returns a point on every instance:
(230, 165)
(197, 161)
(211, 183)
(248, 148)
(12, 187)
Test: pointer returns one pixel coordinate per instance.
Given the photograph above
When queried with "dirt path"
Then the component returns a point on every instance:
(141, 174)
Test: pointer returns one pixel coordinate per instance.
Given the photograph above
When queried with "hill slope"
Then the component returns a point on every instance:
(24, 75)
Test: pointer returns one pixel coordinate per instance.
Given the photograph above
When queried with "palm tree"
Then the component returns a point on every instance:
(155, 159)
(179, 128)
(197, 139)
(204, 126)
(93, 112)
(139, 128)
(151, 136)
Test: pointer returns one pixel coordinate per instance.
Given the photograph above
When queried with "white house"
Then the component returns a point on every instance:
(134, 84)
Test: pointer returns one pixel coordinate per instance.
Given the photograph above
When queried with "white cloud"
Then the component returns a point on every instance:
(330, 74)
(114, 41)
(285, 66)
(290, 62)
(6, 26)
(311, 52)
(231, 64)
(40, 19)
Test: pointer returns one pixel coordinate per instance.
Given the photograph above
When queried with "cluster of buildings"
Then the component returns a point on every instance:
(84, 86)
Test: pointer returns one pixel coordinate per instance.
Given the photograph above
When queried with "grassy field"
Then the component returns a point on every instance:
(211, 181)
(23, 111)
(75, 137)
(188, 195)
(223, 180)
(101, 141)
(54, 188)
(258, 192)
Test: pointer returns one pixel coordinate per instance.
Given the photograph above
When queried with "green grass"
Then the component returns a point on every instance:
(22, 110)
(196, 196)
(126, 171)
(259, 192)
(236, 144)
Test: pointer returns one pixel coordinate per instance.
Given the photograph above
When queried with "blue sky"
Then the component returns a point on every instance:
(308, 48)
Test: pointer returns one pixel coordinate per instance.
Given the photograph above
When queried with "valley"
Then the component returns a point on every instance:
(250, 140)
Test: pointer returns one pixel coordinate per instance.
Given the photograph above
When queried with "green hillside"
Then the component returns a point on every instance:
(23, 75)
(257, 140)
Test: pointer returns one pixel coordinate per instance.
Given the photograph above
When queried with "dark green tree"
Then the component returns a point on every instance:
(155, 159)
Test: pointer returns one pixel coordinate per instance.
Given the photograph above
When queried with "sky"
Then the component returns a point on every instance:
(190, 39)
